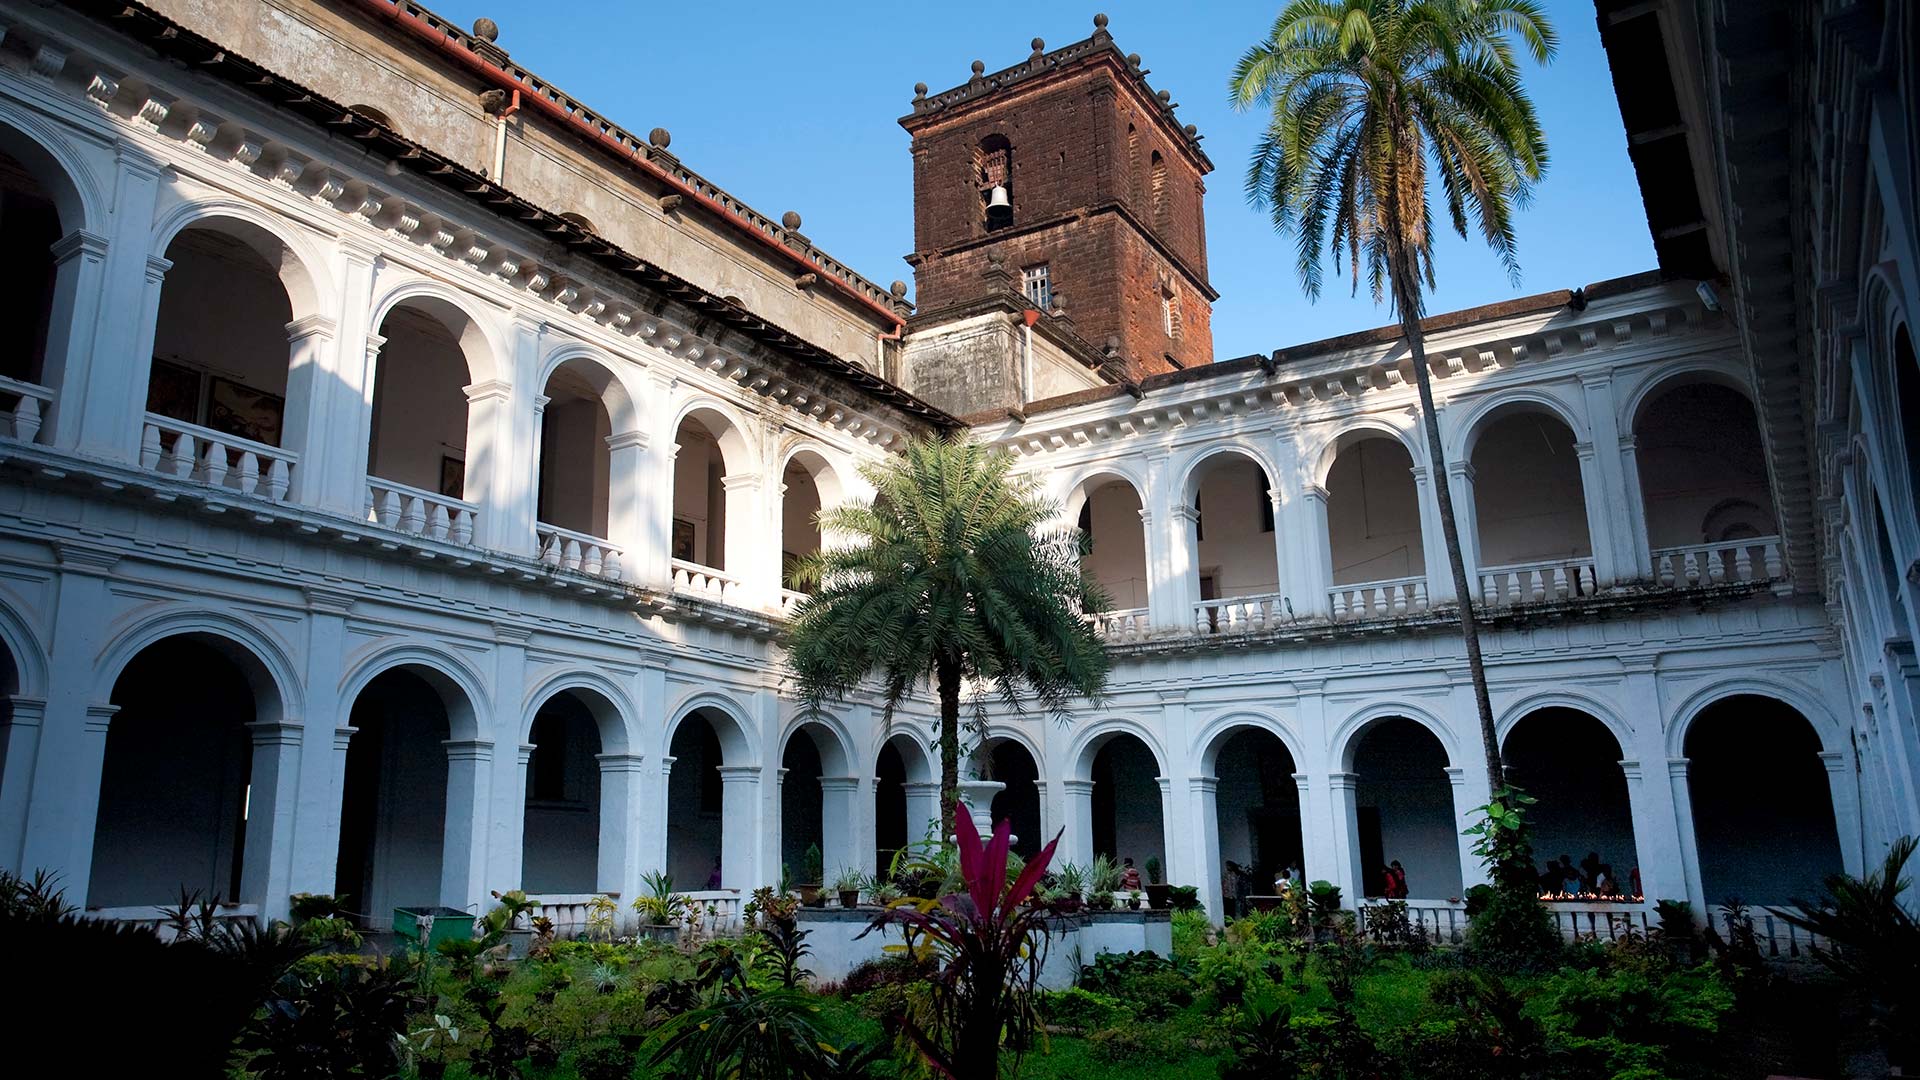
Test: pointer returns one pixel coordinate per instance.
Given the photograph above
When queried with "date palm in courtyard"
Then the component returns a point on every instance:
(1371, 100)
(954, 571)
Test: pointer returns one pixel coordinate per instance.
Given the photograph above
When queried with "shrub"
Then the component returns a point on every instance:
(1626, 1020)
(604, 1061)
(1110, 972)
(1231, 971)
(1190, 932)
(1131, 1044)
(1260, 1041)
(1082, 1010)
(886, 971)
(1159, 995)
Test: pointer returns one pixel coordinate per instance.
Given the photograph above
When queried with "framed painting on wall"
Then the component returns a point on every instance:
(453, 476)
(241, 410)
(173, 391)
(683, 540)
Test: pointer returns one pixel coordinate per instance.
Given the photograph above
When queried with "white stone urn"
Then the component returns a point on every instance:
(978, 797)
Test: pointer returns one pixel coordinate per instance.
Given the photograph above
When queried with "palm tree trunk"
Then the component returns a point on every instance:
(947, 675)
(1406, 297)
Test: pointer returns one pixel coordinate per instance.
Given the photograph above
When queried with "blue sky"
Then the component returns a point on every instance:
(794, 107)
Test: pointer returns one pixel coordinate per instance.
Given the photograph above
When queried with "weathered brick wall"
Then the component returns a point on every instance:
(1084, 183)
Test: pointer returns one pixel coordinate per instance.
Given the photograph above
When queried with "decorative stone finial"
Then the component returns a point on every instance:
(1191, 131)
(1166, 95)
(660, 138)
(1039, 46)
(898, 289)
(486, 29)
(919, 89)
(979, 67)
(1133, 60)
(1100, 21)
(1113, 344)
(790, 220)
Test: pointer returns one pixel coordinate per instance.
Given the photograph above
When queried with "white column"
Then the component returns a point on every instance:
(316, 808)
(504, 803)
(923, 809)
(19, 749)
(1323, 815)
(739, 825)
(338, 480)
(650, 817)
(503, 490)
(310, 429)
(1316, 548)
(64, 799)
(630, 499)
(1078, 839)
(1345, 848)
(839, 804)
(1176, 856)
(1689, 843)
(1635, 525)
(1470, 790)
(1206, 812)
(266, 861)
(1614, 494)
(1182, 580)
(1466, 521)
(463, 852)
(118, 346)
(1433, 540)
(1601, 523)
(79, 284)
(619, 866)
(1662, 837)
(750, 559)
(1846, 809)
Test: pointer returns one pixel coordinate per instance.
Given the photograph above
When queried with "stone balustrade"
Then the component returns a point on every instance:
(565, 549)
(420, 513)
(190, 452)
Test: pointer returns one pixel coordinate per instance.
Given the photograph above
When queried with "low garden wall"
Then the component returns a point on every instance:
(1074, 940)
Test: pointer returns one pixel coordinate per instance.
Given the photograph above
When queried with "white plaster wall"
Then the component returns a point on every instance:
(1234, 550)
(224, 312)
(561, 835)
(574, 465)
(419, 408)
(1402, 775)
(1527, 492)
(1373, 514)
(697, 470)
(1118, 560)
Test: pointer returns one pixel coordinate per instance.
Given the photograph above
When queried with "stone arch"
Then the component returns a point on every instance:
(285, 247)
(1082, 481)
(613, 710)
(1091, 738)
(1702, 464)
(457, 683)
(1529, 497)
(717, 512)
(1108, 507)
(725, 714)
(191, 773)
(1198, 462)
(1672, 374)
(1566, 698)
(477, 334)
(830, 738)
(1347, 734)
(264, 661)
(1831, 734)
(729, 427)
(609, 378)
(1215, 733)
(1572, 759)
(817, 793)
(918, 757)
(25, 651)
(1507, 403)
(809, 484)
(1359, 430)
(77, 192)
(1399, 765)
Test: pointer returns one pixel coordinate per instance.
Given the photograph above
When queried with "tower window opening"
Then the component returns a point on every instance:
(993, 176)
(1037, 283)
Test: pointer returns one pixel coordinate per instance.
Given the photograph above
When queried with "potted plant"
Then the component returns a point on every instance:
(660, 907)
(511, 920)
(811, 872)
(1071, 886)
(1183, 897)
(1105, 881)
(1135, 902)
(849, 885)
(1157, 888)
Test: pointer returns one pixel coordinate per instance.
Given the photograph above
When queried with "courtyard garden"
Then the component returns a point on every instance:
(1296, 991)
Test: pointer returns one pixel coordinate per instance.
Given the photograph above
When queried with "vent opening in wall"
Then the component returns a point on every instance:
(579, 220)
(376, 115)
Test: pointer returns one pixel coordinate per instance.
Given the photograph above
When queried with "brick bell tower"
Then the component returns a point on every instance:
(1059, 236)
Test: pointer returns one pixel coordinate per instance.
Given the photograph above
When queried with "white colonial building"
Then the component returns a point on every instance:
(400, 461)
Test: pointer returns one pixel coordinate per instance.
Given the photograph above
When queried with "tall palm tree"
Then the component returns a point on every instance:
(1370, 98)
(952, 572)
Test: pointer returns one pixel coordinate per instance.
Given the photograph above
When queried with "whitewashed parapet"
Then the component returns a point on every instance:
(1748, 560)
(419, 513)
(23, 407)
(1378, 599)
(191, 452)
(565, 549)
(704, 581)
(1241, 614)
(1535, 583)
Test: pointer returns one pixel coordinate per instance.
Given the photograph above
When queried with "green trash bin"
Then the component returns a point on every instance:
(429, 926)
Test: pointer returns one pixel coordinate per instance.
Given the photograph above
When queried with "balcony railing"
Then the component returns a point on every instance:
(1378, 599)
(1750, 560)
(1127, 624)
(705, 581)
(23, 406)
(419, 513)
(1533, 583)
(790, 599)
(1240, 614)
(564, 549)
(191, 452)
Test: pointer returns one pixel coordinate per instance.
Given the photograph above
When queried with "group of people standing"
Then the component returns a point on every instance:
(1588, 877)
(1236, 885)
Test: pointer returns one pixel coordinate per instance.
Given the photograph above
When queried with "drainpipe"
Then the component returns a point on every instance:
(1028, 317)
(880, 349)
(499, 174)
